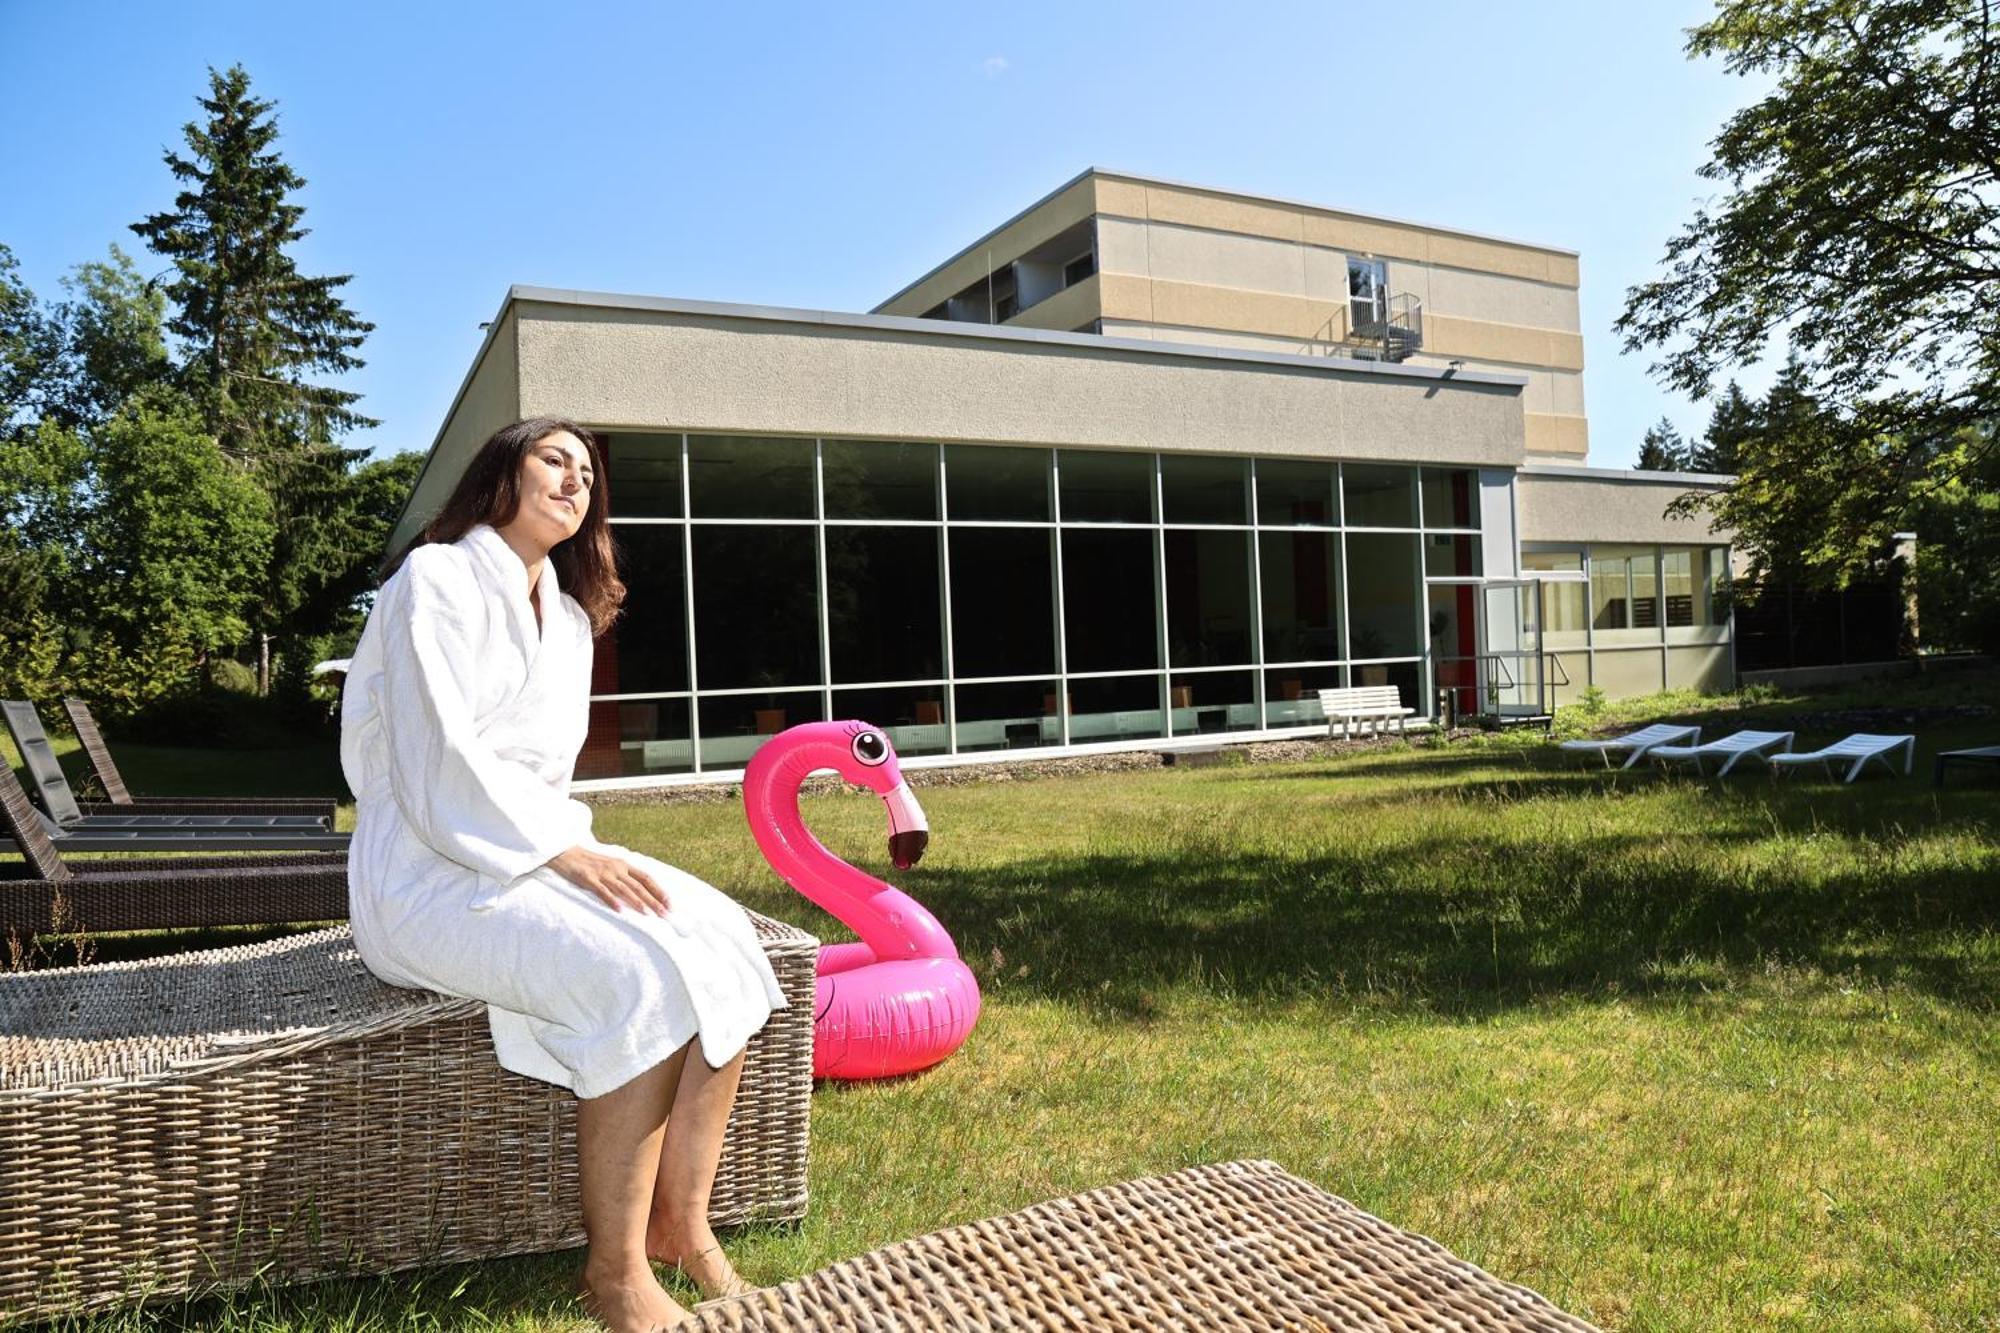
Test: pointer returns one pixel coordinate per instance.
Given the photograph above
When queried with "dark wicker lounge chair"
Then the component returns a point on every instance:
(42, 893)
(119, 799)
(1242, 1246)
(68, 826)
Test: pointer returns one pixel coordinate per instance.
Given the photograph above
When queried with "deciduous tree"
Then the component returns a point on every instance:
(1858, 220)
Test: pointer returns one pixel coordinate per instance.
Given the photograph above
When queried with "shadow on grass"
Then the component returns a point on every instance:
(1440, 926)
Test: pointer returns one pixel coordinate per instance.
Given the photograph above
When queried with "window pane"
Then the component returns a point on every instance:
(1291, 694)
(1717, 576)
(1002, 601)
(1451, 555)
(1006, 715)
(1379, 497)
(990, 484)
(1624, 594)
(866, 479)
(733, 726)
(645, 650)
(1108, 600)
(1293, 494)
(756, 606)
(645, 475)
(1403, 675)
(1208, 598)
(1452, 625)
(1301, 595)
(1383, 591)
(912, 716)
(1451, 497)
(1210, 701)
(1203, 490)
(637, 736)
(885, 617)
(750, 476)
(1563, 609)
(1103, 487)
(1677, 576)
(1115, 708)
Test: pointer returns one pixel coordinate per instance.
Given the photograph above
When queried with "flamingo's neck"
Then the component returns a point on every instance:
(889, 921)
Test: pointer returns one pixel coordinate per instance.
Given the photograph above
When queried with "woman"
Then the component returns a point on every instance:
(474, 874)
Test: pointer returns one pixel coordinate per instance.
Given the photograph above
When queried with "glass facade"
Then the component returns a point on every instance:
(972, 598)
(1644, 618)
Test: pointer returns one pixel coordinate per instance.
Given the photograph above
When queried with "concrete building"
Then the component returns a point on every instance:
(1146, 466)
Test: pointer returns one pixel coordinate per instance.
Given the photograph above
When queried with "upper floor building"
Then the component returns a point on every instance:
(1133, 257)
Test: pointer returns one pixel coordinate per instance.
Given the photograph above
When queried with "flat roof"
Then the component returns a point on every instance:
(949, 329)
(1533, 469)
(1170, 184)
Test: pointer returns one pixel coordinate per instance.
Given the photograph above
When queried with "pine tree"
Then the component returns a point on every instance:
(1663, 450)
(1737, 417)
(254, 327)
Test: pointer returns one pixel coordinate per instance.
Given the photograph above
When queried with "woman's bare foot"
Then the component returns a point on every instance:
(699, 1257)
(627, 1301)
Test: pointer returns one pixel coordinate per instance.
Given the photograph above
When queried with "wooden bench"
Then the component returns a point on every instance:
(1374, 704)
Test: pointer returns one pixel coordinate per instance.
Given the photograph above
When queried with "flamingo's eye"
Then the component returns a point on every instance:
(871, 748)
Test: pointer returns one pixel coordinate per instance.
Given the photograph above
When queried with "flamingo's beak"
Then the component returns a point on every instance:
(909, 833)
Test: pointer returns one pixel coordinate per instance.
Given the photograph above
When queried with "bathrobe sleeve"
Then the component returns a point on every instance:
(492, 815)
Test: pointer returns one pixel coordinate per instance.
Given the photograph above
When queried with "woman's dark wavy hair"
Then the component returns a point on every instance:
(490, 493)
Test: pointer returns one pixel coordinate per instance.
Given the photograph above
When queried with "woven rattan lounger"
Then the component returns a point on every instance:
(1241, 1246)
(119, 799)
(1634, 744)
(183, 1122)
(45, 771)
(1731, 749)
(1853, 754)
(42, 893)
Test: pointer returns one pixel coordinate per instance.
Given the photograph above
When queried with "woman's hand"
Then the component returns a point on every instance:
(616, 881)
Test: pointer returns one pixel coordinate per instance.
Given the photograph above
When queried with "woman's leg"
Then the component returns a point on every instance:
(678, 1231)
(618, 1141)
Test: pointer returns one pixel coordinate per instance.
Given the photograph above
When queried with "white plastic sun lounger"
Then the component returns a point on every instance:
(1638, 742)
(1730, 749)
(1855, 753)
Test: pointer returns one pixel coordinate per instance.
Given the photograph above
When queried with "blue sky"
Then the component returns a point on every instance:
(822, 156)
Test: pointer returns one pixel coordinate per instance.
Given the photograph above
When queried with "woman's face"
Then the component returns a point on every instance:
(555, 483)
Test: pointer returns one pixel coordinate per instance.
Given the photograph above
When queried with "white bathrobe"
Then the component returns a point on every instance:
(459, 729)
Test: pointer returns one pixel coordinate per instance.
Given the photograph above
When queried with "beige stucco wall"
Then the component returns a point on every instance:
(659, 369)
(489, 399)
(1625, 507)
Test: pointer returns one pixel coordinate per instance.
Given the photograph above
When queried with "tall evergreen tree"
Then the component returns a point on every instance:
(254, 327)
(1735, 418)
(1663, 449)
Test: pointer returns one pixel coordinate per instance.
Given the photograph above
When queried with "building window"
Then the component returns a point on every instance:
(1076, 270)
(1367, 292)
(981, 597)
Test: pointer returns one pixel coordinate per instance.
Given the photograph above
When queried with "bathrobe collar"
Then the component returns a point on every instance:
(492, 551)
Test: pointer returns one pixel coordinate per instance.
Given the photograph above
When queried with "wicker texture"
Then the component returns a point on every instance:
(1237, 1246)
(47, 894)
(181, 1123)
(120, 801)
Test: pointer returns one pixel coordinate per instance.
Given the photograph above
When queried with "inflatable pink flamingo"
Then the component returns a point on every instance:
(900, 1000)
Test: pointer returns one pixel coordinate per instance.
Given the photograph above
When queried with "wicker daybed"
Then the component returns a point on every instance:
(44, 894)
(273, 1110)
(1239, 1246)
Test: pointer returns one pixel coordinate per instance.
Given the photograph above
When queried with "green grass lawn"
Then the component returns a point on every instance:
(1677, 1054)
